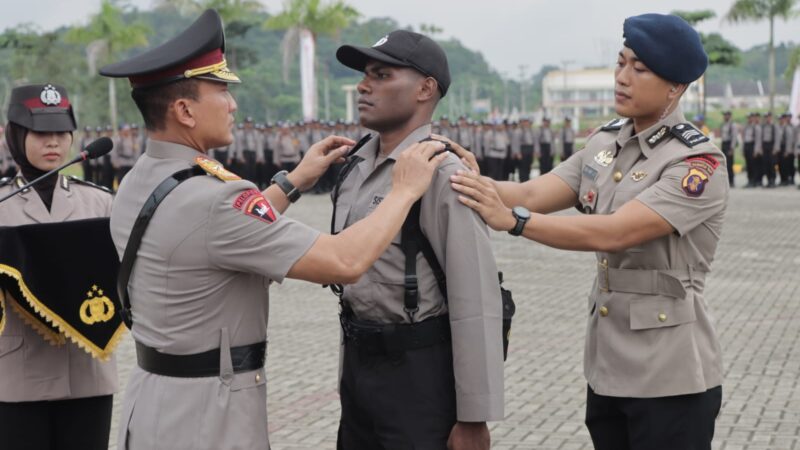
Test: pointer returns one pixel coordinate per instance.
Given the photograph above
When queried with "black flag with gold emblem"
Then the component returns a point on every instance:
(60, 278)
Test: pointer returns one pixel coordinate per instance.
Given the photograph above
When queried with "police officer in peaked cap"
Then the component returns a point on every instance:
(200, 247)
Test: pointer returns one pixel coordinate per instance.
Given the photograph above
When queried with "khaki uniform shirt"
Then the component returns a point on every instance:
(650, 333)
(200, 282)
(460, 240)
(31, 369)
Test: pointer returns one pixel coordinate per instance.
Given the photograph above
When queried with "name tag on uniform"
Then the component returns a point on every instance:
(590, 172)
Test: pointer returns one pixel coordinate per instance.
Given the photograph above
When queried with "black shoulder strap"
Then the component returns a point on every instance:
(413, 241)
(352, 161)
(139, 227)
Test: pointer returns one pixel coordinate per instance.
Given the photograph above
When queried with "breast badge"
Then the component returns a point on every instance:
(604, 158)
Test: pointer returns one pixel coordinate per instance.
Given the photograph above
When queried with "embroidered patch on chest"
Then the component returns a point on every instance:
(253, 204)
(694, 183)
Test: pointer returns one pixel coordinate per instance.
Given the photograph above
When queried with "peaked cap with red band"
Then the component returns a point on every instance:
(41, 107)
(198, 52)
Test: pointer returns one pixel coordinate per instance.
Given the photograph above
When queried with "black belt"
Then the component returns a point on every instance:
(383, 339)
(206, 364)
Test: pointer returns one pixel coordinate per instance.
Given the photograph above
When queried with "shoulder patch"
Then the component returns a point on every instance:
(688, 134)
(694, 183)
(614, 125)
(74, 179)
(657, 137)
(253, 204)
(216, 169)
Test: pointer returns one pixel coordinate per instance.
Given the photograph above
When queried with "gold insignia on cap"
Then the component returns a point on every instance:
(214, 168)
(219, 70)
(604, 158)
(638, 176)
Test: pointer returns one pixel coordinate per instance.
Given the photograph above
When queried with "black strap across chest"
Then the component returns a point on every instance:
(139, 228)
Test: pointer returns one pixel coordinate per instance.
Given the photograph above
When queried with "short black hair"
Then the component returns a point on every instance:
(153, 101)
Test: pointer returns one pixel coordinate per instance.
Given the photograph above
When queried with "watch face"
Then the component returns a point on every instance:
(521, 212)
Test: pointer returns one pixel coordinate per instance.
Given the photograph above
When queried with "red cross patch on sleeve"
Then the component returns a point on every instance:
(253, 204)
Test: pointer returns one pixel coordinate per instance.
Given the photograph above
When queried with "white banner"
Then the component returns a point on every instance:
(308, 86)
(794, 100)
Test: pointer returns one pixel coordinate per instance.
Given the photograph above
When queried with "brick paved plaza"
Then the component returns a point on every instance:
(753, 293)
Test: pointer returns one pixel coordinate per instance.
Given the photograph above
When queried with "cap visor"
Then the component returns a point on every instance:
(52, 123)
(357, 57)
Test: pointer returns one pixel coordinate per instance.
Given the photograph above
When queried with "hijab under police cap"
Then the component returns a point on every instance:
(667, 45)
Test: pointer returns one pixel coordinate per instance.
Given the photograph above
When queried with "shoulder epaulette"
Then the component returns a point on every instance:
(688, 134)
(216, 169)
(74, 179)
(614, 125)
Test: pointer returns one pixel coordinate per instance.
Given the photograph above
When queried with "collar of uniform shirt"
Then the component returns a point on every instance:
(171, 150)
(626, 133)
(369, 152)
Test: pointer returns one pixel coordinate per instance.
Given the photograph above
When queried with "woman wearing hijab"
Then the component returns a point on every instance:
(53, 394)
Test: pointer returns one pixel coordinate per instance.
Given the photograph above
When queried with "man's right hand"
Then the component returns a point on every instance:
(413, 171)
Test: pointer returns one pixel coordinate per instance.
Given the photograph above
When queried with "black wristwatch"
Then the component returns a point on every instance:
(522, 215)
(292, 193)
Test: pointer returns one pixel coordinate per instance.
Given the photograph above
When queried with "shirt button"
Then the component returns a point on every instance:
(258, 377)
(618, 176)
(662, 317)
(603, 311)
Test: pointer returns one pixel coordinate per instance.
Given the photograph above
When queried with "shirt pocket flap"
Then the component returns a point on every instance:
(9, 344)
(661, 312)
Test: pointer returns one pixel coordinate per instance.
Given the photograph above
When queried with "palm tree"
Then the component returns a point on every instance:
(756, 11)
(105, 36)
(303, 21)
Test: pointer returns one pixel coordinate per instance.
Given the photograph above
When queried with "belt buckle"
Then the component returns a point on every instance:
(603, 266)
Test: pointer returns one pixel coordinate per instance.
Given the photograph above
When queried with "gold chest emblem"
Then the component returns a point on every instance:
(638, 176)
(96, 308)
(604, 158)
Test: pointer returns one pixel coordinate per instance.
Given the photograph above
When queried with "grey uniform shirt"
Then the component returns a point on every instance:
(465, 136)
(125, 152)
(200, 282)
(460, 240)
(31, 369)
(498, 144)
(649, 332)
(786, 139)
(728, 132)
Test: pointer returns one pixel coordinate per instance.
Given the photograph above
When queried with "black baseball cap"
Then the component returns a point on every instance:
(405, 49)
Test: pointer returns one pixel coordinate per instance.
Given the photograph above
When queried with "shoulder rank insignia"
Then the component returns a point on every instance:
(614, 125)
(706, 163)
(216, 169)
(658, 136)
(688, 134)
(694, 183)
(74, 179)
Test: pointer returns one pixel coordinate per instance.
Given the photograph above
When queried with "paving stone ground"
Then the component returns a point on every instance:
(753, 293)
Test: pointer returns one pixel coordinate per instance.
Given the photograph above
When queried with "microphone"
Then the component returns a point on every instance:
(96, 149)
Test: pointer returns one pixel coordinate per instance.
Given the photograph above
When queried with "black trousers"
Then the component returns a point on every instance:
(786, 166)
(545, 159)
(568, 149)
(249, 167)
(79, 424)
(727, 150)
(768, 164)
(89, 171)
(525, 163)
(106, 172)
(494, 168)
(750, 163)
(682, 422)
(397, 402)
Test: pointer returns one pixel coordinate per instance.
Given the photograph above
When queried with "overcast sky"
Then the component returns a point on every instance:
(509, 33)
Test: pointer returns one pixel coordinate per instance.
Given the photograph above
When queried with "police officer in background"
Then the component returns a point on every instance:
(422, 365)
(751, 138)
(769, 137)
(496, 150)
(464, 133)
(654, 191)
(729, 132)
(544, 146)
(785, 153)
(87, 164)
(126, 152)
(566, 138)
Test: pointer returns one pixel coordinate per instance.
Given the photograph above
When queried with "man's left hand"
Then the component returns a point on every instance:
(469, 436)
(318, 158)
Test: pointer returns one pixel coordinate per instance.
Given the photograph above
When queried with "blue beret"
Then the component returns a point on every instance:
(667, 45)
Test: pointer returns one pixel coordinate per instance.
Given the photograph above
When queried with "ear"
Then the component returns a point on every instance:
(182, 112)
(428, 90)
(676, 91)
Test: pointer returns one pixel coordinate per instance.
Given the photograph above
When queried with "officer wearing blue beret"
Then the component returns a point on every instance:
(654, 192)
